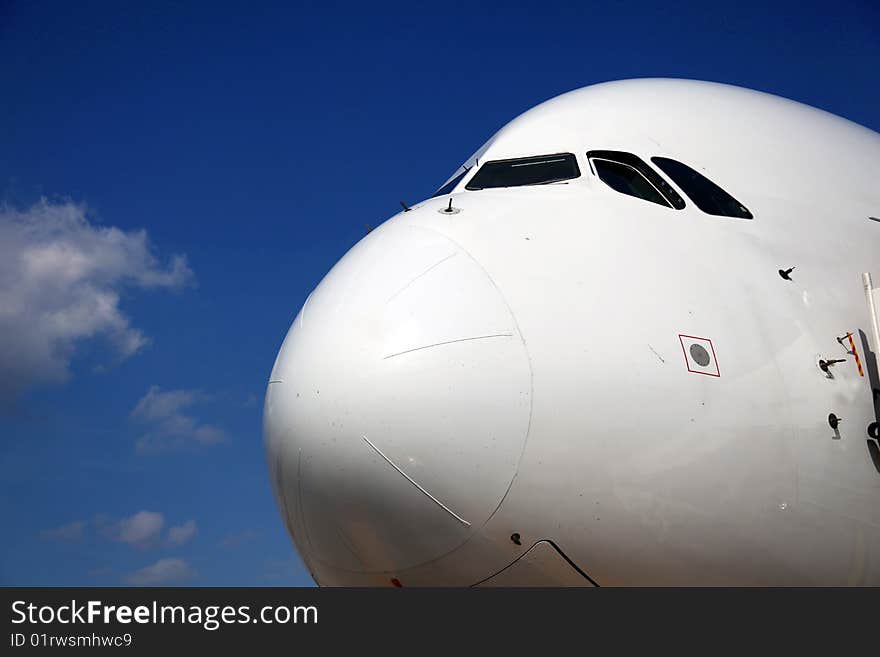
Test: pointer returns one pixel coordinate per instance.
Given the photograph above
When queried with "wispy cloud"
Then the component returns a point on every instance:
(164, 571)
(144, 529)
(169, 421)
(61, 277)
(182, 533)
(72, 531)
(141, 530)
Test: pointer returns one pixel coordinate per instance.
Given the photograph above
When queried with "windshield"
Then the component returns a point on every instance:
(538, 170)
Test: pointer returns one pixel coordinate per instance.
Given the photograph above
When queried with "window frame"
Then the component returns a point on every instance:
(574, 161)
(664, 204)
(672, 199)
(749, 216)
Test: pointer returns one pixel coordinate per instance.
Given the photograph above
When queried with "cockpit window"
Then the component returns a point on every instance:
(448, 187)
(627, 180)
(629, 174)
(707, 196)
(539, 170)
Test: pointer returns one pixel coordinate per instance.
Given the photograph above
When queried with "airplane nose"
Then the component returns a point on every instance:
(398, 406)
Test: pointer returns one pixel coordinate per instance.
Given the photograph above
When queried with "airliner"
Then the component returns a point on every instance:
(631, 341)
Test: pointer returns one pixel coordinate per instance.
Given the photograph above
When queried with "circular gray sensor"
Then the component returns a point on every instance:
(699, 354)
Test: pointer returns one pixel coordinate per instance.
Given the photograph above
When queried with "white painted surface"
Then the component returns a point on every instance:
(872, 295)
(400, 371)
(520, 361)
(542, 565)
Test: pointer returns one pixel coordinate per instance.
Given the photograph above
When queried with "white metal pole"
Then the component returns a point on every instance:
(872, 310)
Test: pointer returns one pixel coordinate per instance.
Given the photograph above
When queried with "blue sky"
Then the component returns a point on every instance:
(176, 177)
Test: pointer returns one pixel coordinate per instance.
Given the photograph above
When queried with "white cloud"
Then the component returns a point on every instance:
(182, 533)
(141, 530)
(61, 277)
(164, 411)
(163, 571)
(70, 532)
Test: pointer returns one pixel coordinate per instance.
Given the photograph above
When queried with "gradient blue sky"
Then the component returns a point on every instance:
(252, 143)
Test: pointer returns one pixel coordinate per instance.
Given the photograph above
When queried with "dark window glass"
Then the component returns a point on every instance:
(448, 187)
(525, 171)
(633, 176)
(626, 180)
(707, 196)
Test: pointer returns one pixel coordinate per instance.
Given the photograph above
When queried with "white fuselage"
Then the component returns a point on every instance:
(465, 385)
